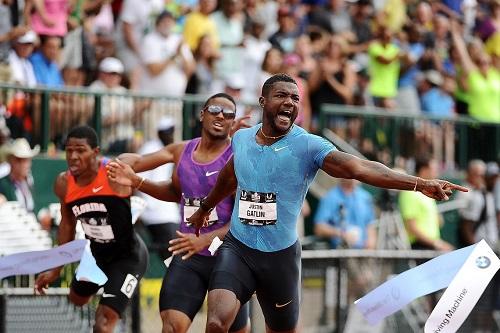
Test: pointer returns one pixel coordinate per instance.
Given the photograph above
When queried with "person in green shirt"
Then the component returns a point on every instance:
(384, 69)
(420, 215)
(483, 80)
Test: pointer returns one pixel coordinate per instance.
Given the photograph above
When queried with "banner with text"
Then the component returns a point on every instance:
(39, 261)
(466, 272)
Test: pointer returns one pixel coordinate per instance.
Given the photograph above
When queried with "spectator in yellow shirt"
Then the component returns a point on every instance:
(420, 214)
(199, 23)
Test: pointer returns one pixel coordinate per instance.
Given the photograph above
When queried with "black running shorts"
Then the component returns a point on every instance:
(123, 276)
(274, 276)
(185, 286)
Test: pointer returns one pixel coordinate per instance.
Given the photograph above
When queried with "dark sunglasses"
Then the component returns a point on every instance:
(216, 109)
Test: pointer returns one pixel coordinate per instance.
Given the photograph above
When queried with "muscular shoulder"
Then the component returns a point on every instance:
(176, 149)
(61, 185)
(170, 152)
(316, 146)
(244, 132)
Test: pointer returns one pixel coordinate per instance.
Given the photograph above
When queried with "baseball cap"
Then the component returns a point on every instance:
(28, 38)
(492, 169)
(433, 77)
(166, 123)
(111, 65)
(236, 82)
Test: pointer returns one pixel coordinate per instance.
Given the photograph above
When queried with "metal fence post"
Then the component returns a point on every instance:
(45, 104)
(462, 144)
(96, 119)
(496, 144)
(3, 313)
(338, 310)
(322, 119)
(396, 144)
(186, 116)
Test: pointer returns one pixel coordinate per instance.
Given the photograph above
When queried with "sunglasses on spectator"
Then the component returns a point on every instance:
(216, 109)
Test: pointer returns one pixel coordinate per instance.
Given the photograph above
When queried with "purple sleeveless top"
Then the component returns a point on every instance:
(196, 181)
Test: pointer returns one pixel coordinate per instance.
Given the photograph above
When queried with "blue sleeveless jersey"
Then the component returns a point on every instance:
(277, 177)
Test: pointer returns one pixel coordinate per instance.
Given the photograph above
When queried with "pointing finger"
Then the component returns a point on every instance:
(452, 186)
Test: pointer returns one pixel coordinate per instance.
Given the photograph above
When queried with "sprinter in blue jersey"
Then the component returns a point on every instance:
(270, 172)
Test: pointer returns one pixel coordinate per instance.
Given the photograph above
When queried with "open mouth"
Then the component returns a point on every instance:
(218, 125)
(73, 168)
(285, 116)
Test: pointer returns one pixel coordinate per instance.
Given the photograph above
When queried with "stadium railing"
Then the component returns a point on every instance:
(398, 134)
(45, 115)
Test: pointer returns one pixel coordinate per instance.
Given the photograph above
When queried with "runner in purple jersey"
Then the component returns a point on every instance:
(196, 180)
(197, 164)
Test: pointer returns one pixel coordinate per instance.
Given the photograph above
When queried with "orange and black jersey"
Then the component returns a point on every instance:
(105, 216)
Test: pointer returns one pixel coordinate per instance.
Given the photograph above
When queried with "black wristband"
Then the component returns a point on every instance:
(204, 206)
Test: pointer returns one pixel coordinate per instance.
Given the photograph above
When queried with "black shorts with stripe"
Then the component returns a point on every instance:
(123, 273)
(185, 286)
(273, 276)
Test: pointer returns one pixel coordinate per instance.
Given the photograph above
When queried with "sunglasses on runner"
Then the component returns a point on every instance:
(216, 109)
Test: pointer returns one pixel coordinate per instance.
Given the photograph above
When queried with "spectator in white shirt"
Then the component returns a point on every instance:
(119, 112)
(21, 68)
(229, 22)
(133, 24)
(256, 46)
(168, 60)
(160, 218)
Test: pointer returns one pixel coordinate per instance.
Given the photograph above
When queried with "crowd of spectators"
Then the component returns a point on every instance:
(333, 46)
(439, 58)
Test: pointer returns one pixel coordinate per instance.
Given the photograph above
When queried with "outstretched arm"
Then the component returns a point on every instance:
(123, 174)
(465, 59)
(343, 165)
(65, 234)
(226, 185)
(150, 161)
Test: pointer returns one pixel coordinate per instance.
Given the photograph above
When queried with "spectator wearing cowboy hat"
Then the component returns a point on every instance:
(18, 184)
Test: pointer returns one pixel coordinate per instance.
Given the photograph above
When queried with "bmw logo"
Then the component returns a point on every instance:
(483, 262)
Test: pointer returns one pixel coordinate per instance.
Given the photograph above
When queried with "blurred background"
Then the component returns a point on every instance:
(412, 84)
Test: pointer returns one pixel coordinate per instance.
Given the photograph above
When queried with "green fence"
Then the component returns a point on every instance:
(122, 121)
(392, 135)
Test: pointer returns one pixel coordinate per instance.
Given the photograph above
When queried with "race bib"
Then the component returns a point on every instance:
(129, 285)
(256, 208)
(191, 205)
(99, 233)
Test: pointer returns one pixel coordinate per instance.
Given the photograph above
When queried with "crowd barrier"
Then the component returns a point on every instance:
(389, 136)
(45, 115)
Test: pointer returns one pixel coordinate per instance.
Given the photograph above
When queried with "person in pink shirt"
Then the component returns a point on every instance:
(47, 17)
